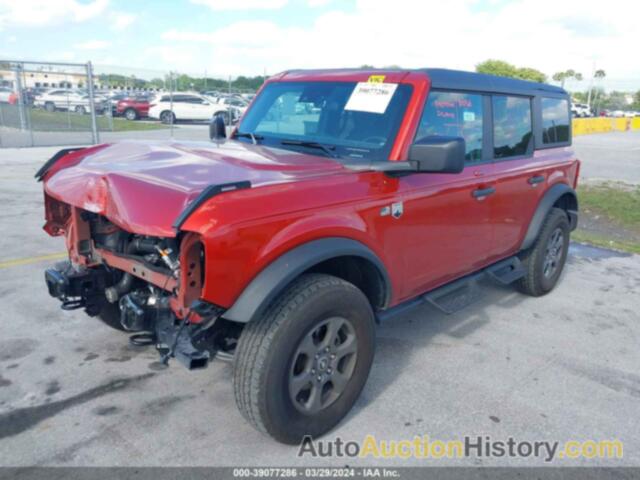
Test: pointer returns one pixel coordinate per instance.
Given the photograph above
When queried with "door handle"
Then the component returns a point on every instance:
(483, 192)
(536, 179)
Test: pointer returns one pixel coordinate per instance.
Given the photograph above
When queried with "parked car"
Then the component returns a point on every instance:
(212, 94)
(617, 113)
(581, 110)
(236, 102)
(113, 99)
(70, 100)
(184, 106)
(5, 94)
(133, 108)
(283, 247)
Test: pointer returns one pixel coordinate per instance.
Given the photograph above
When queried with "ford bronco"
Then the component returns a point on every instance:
(340, 199)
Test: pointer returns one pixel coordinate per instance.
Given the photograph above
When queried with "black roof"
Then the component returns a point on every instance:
(459, 80)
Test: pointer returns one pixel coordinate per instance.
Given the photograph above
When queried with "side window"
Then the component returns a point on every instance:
(454, 115)
(511, 126)
(555, 120)
(192, 99)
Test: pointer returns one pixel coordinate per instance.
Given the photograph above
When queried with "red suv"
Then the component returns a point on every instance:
(342, 198)
(133, 108)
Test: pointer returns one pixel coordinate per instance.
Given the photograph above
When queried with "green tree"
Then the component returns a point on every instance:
(636, 101)
(505, 69)
(597, 76)
(499, 68)
(566, 75)
(531, 74)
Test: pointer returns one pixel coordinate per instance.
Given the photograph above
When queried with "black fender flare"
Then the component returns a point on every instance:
(274, 278)
(550, 197)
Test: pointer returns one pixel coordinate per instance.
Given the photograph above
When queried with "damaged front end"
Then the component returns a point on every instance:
(154, 284)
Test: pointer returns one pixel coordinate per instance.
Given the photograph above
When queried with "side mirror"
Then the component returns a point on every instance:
(217, 128)
(438, 154)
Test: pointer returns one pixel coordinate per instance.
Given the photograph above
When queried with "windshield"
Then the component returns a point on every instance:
(353, 120)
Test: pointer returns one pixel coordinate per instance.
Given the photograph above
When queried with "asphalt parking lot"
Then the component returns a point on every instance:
(562, 367)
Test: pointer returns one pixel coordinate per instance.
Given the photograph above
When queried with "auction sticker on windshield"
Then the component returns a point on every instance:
(371, 97)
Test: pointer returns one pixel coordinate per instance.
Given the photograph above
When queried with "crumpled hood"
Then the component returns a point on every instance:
(144, 186)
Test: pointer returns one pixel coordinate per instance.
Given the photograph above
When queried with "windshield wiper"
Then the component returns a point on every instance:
(254, 138)
(329, 150)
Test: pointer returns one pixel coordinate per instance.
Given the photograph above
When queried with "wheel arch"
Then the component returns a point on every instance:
(342, 257)
(561, 196)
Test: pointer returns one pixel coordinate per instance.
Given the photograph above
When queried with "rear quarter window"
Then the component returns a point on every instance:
(555, 120)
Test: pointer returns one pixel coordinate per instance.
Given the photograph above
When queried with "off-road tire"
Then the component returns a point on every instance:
(267, 345)
(535, 283)
(110, 315)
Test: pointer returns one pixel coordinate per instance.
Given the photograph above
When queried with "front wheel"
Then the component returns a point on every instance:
(80, 110)
(300, 368)
(545, 260)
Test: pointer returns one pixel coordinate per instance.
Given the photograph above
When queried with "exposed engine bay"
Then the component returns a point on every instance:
(149, 286)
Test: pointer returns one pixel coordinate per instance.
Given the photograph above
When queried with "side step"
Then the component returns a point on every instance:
(506, 271)
(455, 296)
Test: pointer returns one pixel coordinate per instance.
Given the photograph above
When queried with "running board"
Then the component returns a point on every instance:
(455, 296)
(507, 271)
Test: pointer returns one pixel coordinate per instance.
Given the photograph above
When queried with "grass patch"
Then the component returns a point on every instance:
(43, 121)
(597, 240)
(609, 216)
(620, 203)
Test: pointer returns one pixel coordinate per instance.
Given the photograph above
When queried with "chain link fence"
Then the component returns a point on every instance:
(29, 117)
(43, 103)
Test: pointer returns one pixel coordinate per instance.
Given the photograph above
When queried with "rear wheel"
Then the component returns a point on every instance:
(130, 114)
(545, 260)
(300, 368)
(50, 107)
(167, 117)
(80, 110)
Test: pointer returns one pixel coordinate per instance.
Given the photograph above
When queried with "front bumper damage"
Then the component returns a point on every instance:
(154, 321)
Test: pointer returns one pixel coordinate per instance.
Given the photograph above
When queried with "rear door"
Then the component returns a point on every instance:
(522, 175)
(182, 108)
(446, 217)
(525, 161)
(199, 107)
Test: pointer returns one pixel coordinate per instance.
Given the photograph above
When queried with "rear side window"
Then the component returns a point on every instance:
(555, 120)
(192, 99)
(454, 115)
(511, 126)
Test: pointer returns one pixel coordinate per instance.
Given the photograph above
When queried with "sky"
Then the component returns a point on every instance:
(250, 37)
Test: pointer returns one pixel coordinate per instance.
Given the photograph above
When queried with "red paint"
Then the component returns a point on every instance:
(295, 198)
(140, 106)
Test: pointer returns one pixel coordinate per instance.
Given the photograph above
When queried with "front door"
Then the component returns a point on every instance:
(446, 218)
